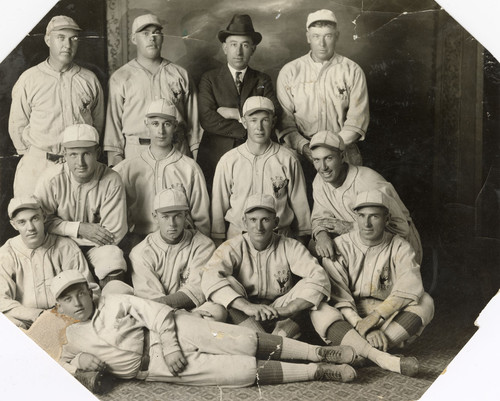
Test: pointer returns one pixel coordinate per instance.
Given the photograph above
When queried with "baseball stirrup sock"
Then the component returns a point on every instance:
(275, 372)
(342, 333)
(269, 346)
(287, 328)
(239, 318)
(403, 326)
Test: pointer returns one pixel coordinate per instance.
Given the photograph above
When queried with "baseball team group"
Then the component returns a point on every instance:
(230, 221)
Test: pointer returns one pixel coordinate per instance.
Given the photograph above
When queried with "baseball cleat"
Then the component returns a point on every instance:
(409, 366)
(338, 373)
(336, 354)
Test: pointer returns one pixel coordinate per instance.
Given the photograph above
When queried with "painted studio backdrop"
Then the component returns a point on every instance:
(434, 91)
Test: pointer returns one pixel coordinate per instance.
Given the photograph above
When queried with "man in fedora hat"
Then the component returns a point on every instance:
(223, 92)
(46, 99)
(132, 88)
(322, 90)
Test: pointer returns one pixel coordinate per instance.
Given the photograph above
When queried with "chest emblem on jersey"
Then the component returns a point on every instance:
(340, 91)
(279, 186)
(177, 91)
(283, 279)
(184, 276)
(385, 278)
(95, 216)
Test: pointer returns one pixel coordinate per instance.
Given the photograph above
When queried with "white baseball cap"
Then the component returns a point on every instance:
(61, 22)
(170, 200)
(260, 201)
(320, 15)
(143, 21)
(327, 139)
(258, 103)
(161, 108)
(80, 136)
(373, 197)
(23, 202)
(64, 280)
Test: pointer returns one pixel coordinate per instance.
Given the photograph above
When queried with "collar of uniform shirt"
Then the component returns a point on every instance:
(233, 73)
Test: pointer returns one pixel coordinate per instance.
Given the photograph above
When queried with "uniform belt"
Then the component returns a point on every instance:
(145, 351)
(135, 140)
(53, 157)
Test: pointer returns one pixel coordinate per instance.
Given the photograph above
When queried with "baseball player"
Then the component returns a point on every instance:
(322, 90)
(30, 260)
(132, 88)
(85, 200)
(335, 188)
(376, 282)
(131, 337)
(252, 274)
(158, 167)
(224, 90)
(46, 99)
(167, 265)
(259, 166)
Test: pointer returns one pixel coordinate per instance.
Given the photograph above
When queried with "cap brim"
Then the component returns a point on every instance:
(324, 145)
(79, 144)
(256, 36)
(59, 28)
(251, 209)
(150, 115)
(252, 111)
(69, 284)
(139, 29)
(172, 209)
(368, 204)
(32, 206)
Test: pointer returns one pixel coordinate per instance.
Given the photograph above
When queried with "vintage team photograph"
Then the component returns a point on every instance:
(224, 200)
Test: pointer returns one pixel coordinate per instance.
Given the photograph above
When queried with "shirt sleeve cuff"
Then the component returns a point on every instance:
(224, 296)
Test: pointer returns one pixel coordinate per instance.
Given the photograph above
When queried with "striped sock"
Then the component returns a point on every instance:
(404, 325)
(275, 372)
(239, 318)
(269, 346)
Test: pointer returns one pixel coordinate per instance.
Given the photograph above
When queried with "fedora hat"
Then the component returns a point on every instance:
(241, 24)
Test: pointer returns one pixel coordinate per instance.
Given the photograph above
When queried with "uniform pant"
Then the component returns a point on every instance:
(29, 169)
(218, 354)
(423, 309)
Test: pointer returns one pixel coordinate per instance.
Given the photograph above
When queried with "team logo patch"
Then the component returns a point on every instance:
(385, 278)
(283, 278)
(279, 186)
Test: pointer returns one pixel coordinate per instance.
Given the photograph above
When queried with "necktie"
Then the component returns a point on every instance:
(238, 81)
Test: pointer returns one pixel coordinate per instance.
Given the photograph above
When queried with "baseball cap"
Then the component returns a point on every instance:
(161, 108)
(80, 136)
(320, 15)
(170, 200)
(143, 21)
(373, 197)
(61, 22)
(64, 280)
(22, 202)
(327, 139)
(257, 103)
(260, 201)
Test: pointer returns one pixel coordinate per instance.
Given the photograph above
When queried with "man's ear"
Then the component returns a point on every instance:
(153, 214)
(46, 39)
(244, 219)
(133, 39)
(244, 122)
(308, 37)
(224, 48)
(276, 221)
(14, 225)
(387, 219)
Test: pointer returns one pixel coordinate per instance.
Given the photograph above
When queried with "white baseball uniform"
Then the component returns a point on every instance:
(217, 353)
(25, 275)
(131, 89)
(144, 176)
(44, 103)
(240, 174)
(332, 203)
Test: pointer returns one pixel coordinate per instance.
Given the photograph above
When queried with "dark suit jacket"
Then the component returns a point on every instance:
(217, 89)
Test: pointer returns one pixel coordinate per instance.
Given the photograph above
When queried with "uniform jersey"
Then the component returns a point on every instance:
(276, 172)
(144, 176)
(337, 203)
(45, 102)
(132, 88)
(266, 274)
(321, 96)
(67, 202)
(160, 269)
(25, 274)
